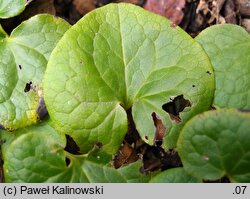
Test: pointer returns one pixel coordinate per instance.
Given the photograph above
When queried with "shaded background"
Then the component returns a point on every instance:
(192, 15)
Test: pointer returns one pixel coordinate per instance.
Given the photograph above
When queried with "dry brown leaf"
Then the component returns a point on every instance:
(244, 6)
(125, 155)
(84, 6)
(160, 129)
(230, 12)
(171, 9)
(210, 11)
(246, 24)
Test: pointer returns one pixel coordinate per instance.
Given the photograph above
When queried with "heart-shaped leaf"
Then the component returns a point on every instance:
(215, 144)
(23, 59)
(33, 154)
(176, 175)
(11, 8)
(121, 57)
(36, 154)
(228, 47)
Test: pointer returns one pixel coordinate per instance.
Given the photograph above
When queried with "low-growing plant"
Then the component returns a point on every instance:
(11, 8)
(123, 72)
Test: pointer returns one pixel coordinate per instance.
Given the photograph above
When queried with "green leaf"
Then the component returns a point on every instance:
(120, 57)
(23, 59)
(215, 144)
(33, 154)
(3, 34)
(11, 8)
(36, 154)
(176, 175)
(228, 47)
(131, 173)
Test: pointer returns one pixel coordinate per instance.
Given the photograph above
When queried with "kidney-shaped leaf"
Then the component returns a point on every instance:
(23, 59)
(215, 144)
(36, 154)
(175, 175)
(11, 8)
(33, 154)
(228, 47)
(120, 57)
